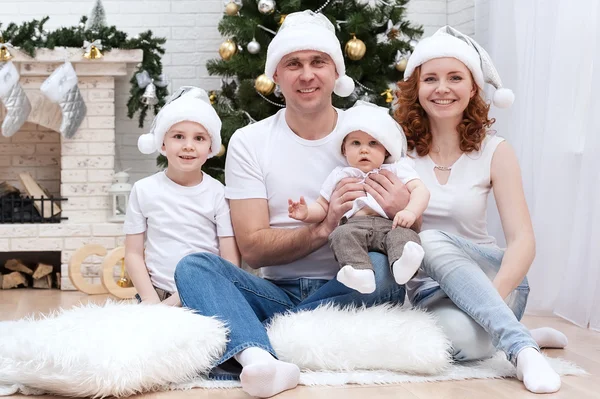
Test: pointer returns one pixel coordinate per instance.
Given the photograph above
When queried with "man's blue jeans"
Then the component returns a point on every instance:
(213, 286)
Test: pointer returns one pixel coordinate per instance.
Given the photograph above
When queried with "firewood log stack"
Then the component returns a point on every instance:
(21, 275)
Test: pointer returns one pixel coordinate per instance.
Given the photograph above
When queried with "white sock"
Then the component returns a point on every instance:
(264, 376)
(547, 337)
(536, 373)
(408, 264)
(361, 280)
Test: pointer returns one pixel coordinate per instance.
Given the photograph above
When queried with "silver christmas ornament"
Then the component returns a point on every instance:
(266, 6)
(145, 82)
(149, 97)
(253, 47)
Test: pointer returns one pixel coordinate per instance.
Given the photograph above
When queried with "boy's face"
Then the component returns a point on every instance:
(306, 79)
(362, 151)
(187, 145)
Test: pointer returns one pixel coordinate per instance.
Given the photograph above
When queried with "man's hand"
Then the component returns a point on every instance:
(173, 300)
(388, 191)
(298, 210)
(346, 191)
(404, 218)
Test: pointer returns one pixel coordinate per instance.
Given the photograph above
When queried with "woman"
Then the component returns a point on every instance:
(445, 119)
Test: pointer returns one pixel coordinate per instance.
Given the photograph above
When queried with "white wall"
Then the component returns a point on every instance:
(190, 28)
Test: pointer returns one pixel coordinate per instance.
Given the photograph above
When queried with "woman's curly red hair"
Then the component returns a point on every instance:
(413, 119)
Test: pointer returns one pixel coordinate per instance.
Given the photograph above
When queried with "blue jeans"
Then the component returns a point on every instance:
(464, 271)
(213, 286)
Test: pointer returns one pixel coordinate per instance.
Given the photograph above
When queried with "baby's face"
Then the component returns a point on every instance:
(362, 151)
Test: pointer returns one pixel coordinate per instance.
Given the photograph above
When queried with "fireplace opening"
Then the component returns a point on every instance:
(16, 208)
(30, 270)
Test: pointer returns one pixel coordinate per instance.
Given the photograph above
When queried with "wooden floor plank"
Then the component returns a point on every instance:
(583, 349)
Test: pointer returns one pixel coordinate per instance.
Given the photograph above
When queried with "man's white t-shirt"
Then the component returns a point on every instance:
(404, 169)
(178, 221)
(268, 160)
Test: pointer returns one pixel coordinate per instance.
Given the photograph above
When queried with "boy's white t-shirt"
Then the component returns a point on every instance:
(178, 221)
(268, 160)
(404, 169)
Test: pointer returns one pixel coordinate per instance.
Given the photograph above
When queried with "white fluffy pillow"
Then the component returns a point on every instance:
(117, 349)
(382, 337)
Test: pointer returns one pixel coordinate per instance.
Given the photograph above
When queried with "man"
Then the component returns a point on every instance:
(284, 156)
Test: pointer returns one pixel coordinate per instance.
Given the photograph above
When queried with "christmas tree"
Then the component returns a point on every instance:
(376, 37)
(97, 18)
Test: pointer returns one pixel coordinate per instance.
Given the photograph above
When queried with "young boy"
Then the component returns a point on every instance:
(369, 136)
(181, 210)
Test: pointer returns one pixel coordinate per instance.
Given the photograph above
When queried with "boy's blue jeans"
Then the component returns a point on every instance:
(213, 286)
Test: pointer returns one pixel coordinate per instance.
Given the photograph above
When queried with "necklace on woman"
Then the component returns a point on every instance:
(443, 168)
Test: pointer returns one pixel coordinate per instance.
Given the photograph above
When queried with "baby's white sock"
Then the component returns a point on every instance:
(547, 337)
(264, 376)
(408, 264)
(536, 373)
(361, 280)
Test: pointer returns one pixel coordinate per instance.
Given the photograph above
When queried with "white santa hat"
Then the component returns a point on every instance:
(448, 42)
(187, 104)
(306, 30)
(377, 122)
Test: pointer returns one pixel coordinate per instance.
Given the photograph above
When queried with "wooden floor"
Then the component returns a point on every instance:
(583, 349)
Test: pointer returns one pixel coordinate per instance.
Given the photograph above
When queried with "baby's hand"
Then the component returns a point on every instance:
(298, 210)
(404, 218)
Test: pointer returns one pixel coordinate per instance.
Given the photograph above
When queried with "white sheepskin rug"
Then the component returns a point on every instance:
(117, 349)
(381, 337)
(122, 349)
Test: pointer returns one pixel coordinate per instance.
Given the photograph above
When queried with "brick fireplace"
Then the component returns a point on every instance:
(79, 169)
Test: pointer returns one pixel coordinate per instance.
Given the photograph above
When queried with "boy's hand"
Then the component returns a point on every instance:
(404, 218)
(298, 210)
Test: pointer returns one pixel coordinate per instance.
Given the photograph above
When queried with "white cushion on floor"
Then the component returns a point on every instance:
(115, 349)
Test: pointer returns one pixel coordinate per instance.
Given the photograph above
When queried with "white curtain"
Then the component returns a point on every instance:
(548, 53)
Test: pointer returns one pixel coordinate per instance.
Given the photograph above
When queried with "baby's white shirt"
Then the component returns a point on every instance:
(404, 169)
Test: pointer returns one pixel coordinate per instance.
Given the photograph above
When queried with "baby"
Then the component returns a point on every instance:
(370, 140)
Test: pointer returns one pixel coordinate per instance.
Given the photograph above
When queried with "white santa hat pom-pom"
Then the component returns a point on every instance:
(146, 143)
(503, 98)
(344, 86)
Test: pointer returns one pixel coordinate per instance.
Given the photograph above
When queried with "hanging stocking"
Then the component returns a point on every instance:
(61, 87)
(14, 99)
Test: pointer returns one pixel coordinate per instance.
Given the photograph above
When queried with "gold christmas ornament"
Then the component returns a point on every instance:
(93, 54)
(355, 49)
(221, 151)
(282, 18)
(227, 49)
(212, 97)
(5, 55)
(231, 9)
(123, 278)
(401, 64)
(264, 85)
(92, 49)
(389, 97)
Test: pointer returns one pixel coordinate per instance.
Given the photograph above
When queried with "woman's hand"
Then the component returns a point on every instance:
(388, 191)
